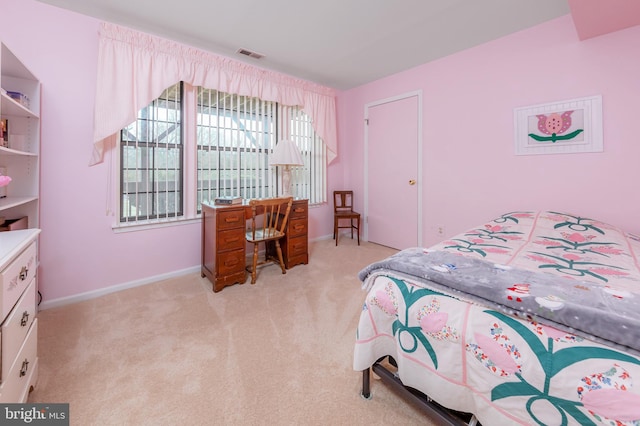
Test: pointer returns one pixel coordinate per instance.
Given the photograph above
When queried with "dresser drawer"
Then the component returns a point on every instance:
(231, 239)
(230, 262)
(229, 219)
(297, 227)
(24, 372)
(15, 278)
(16, 326)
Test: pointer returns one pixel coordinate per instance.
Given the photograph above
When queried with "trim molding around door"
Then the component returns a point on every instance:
(418, 94)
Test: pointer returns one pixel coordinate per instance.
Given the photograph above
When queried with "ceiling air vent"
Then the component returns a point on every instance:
(249, 53)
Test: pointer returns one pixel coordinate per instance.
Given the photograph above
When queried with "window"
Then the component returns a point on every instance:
(233, 138)
(151, 158)
(235, 135)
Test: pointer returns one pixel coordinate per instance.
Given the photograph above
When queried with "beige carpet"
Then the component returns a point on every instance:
(175, 353)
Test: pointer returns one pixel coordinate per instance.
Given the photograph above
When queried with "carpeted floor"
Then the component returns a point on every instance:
(175, 353)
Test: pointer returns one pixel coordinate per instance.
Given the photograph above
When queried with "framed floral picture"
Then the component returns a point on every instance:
(570, 126)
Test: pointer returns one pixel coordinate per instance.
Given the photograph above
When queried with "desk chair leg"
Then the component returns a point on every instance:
(255, 264)
(358, 229)
(335, 230)
(279, 250)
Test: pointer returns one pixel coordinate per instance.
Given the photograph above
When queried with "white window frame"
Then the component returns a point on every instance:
(313, 150)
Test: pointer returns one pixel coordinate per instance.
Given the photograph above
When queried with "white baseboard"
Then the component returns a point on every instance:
(54, 303)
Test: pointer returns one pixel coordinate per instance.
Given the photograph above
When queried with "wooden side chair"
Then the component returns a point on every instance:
(343, 209)
(268, 223)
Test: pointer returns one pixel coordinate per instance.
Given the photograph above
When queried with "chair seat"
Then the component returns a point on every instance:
(347, 214)
(264, 235)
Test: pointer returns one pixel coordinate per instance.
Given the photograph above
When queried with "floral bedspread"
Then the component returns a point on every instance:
(532, 318)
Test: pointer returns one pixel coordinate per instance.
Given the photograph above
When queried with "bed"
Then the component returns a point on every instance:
(531, 318)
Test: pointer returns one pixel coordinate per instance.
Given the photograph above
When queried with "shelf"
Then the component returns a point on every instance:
(11, 107)
(9, 202)
(9, 151)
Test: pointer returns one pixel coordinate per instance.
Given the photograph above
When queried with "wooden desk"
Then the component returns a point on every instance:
(224, 244)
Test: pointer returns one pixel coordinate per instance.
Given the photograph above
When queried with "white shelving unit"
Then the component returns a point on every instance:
(20, 159)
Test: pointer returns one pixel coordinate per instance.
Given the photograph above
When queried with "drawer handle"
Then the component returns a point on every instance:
(231, 262)
(232, 240)
(25, 319)
(24, 368)
(298, 210)
(231, 219)
(298, 227)
(23, 273)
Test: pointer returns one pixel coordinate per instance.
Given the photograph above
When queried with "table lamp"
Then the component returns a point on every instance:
(286, 154)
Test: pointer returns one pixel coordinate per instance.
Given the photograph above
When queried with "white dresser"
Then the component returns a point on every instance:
(18, 306)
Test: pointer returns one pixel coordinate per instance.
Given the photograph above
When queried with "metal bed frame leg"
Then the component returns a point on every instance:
(366, 384)
(434, 411)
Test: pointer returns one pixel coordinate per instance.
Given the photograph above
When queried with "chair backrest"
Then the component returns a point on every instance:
(342, 201)
(274, 213)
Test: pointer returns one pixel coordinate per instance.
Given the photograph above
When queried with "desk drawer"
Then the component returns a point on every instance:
(229, 219)
(16, 326)
(230, 262)
(297, 246)
(231, 239)
(297, 227)
(299, 209)
(16, 276)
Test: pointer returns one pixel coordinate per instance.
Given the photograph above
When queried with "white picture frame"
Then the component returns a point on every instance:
(564, 127)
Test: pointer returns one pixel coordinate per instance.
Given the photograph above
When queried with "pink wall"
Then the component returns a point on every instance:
(470, 172)
(79, 252)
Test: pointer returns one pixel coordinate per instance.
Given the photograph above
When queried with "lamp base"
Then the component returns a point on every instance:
(286, 181)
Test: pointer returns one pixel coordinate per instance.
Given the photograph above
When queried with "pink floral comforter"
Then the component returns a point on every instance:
(479, 322)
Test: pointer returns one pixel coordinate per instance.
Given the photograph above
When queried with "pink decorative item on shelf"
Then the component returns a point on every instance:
(4, 180)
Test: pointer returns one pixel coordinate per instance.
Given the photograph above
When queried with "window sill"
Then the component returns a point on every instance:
(119, 228)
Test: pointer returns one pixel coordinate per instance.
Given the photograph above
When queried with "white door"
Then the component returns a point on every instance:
(392, 171)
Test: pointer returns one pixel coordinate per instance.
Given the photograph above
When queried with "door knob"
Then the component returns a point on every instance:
(412, 181)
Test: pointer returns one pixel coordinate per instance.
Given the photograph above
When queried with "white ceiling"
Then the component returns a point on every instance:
(337, 43)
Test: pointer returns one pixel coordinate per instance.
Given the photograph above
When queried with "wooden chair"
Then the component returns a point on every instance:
(343, 209)
(268, 223)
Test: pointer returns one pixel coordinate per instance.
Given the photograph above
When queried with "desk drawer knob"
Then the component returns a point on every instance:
(25, 319)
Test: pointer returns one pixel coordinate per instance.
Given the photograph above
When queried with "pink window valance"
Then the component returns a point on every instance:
(134, 68)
